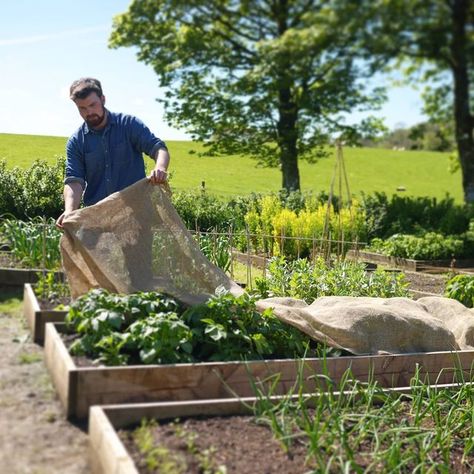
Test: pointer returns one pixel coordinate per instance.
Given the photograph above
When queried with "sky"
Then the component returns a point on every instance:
(46, 44)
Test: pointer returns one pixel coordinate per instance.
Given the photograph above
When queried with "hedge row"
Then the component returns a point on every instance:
(37, 191)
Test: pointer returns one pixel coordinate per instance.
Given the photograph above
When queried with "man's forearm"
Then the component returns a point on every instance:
(162, 159)
(72, 196)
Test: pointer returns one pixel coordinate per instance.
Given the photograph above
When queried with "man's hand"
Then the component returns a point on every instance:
(158, 176)
(72, 199)
(60, 219)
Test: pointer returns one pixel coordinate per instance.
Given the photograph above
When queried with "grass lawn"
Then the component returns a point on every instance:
(369, 169)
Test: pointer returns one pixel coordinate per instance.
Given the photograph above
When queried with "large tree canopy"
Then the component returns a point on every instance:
(436, 37)
(269, 78)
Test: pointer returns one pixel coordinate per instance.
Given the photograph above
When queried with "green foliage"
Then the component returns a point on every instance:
(9, 188)
(33, 191)
(152, 328)
(105, 323)
(231, 328)
(430, 246)
(433, 40)
(310, 280)
(35, 243)
(430, 136)
(267, 82)
(204, 212)
(283, 231)
(51, 287)
(461, 288)
(156, 457)
(216, 247)
(359, 427)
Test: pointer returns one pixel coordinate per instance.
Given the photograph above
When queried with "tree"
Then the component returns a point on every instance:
(270, 78)
(436, 37)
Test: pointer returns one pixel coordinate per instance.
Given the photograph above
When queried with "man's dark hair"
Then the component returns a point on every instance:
(84, 86)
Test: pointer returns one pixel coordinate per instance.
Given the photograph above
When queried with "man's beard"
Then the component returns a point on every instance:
(95, 120)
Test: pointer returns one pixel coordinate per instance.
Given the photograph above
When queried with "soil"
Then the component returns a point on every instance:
(237, 442)
(423, 284)
(239, 445)
(35, 436)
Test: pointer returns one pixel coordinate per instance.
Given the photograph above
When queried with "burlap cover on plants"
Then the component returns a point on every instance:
(134, 240)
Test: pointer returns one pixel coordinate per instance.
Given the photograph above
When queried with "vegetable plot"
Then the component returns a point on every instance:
(152, 328)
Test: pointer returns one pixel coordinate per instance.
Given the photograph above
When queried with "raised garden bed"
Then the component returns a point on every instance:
(108, 454)
(220, 430)
(18, 276)
(258, 261)
(37, 316)
(81, 387)
(11, 273)
(409, 264)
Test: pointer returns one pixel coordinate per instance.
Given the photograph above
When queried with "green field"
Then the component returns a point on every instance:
(369, 169)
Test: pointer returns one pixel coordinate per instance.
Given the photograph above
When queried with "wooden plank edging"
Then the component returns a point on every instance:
(107, 452)
(10, 276)
(109, 455)
(61, 367)
(408, 263)
(37, 317)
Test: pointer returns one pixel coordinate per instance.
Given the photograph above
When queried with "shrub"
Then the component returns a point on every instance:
(294, 231)
(32, 192)
(303, 230)
(203, 212)
(414, 215)
(9, 189)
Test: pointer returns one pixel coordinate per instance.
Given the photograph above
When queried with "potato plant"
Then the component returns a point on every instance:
(153, 328)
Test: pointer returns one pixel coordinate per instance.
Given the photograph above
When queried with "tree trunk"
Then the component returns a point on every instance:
(287, 111)
(287, 138)
(462, 117)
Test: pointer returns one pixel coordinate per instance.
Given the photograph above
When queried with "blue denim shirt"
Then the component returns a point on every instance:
(108, 160)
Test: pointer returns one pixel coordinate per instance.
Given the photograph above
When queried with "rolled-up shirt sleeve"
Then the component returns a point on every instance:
(143, 139)
(75, 168)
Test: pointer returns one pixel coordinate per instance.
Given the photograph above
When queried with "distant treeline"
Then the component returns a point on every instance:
(423, 136)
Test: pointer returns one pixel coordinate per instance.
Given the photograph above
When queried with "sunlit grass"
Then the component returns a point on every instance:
(420, 173)
(243, 273)
(11, 299)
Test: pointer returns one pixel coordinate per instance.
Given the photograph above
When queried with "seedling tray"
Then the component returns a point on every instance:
(81, 387)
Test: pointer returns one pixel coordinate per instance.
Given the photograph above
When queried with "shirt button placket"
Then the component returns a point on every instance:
(108, 177)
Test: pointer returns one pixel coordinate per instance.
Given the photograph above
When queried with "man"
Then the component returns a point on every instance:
(105, 154)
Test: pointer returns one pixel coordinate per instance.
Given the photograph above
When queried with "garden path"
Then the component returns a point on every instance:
(34, 434)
